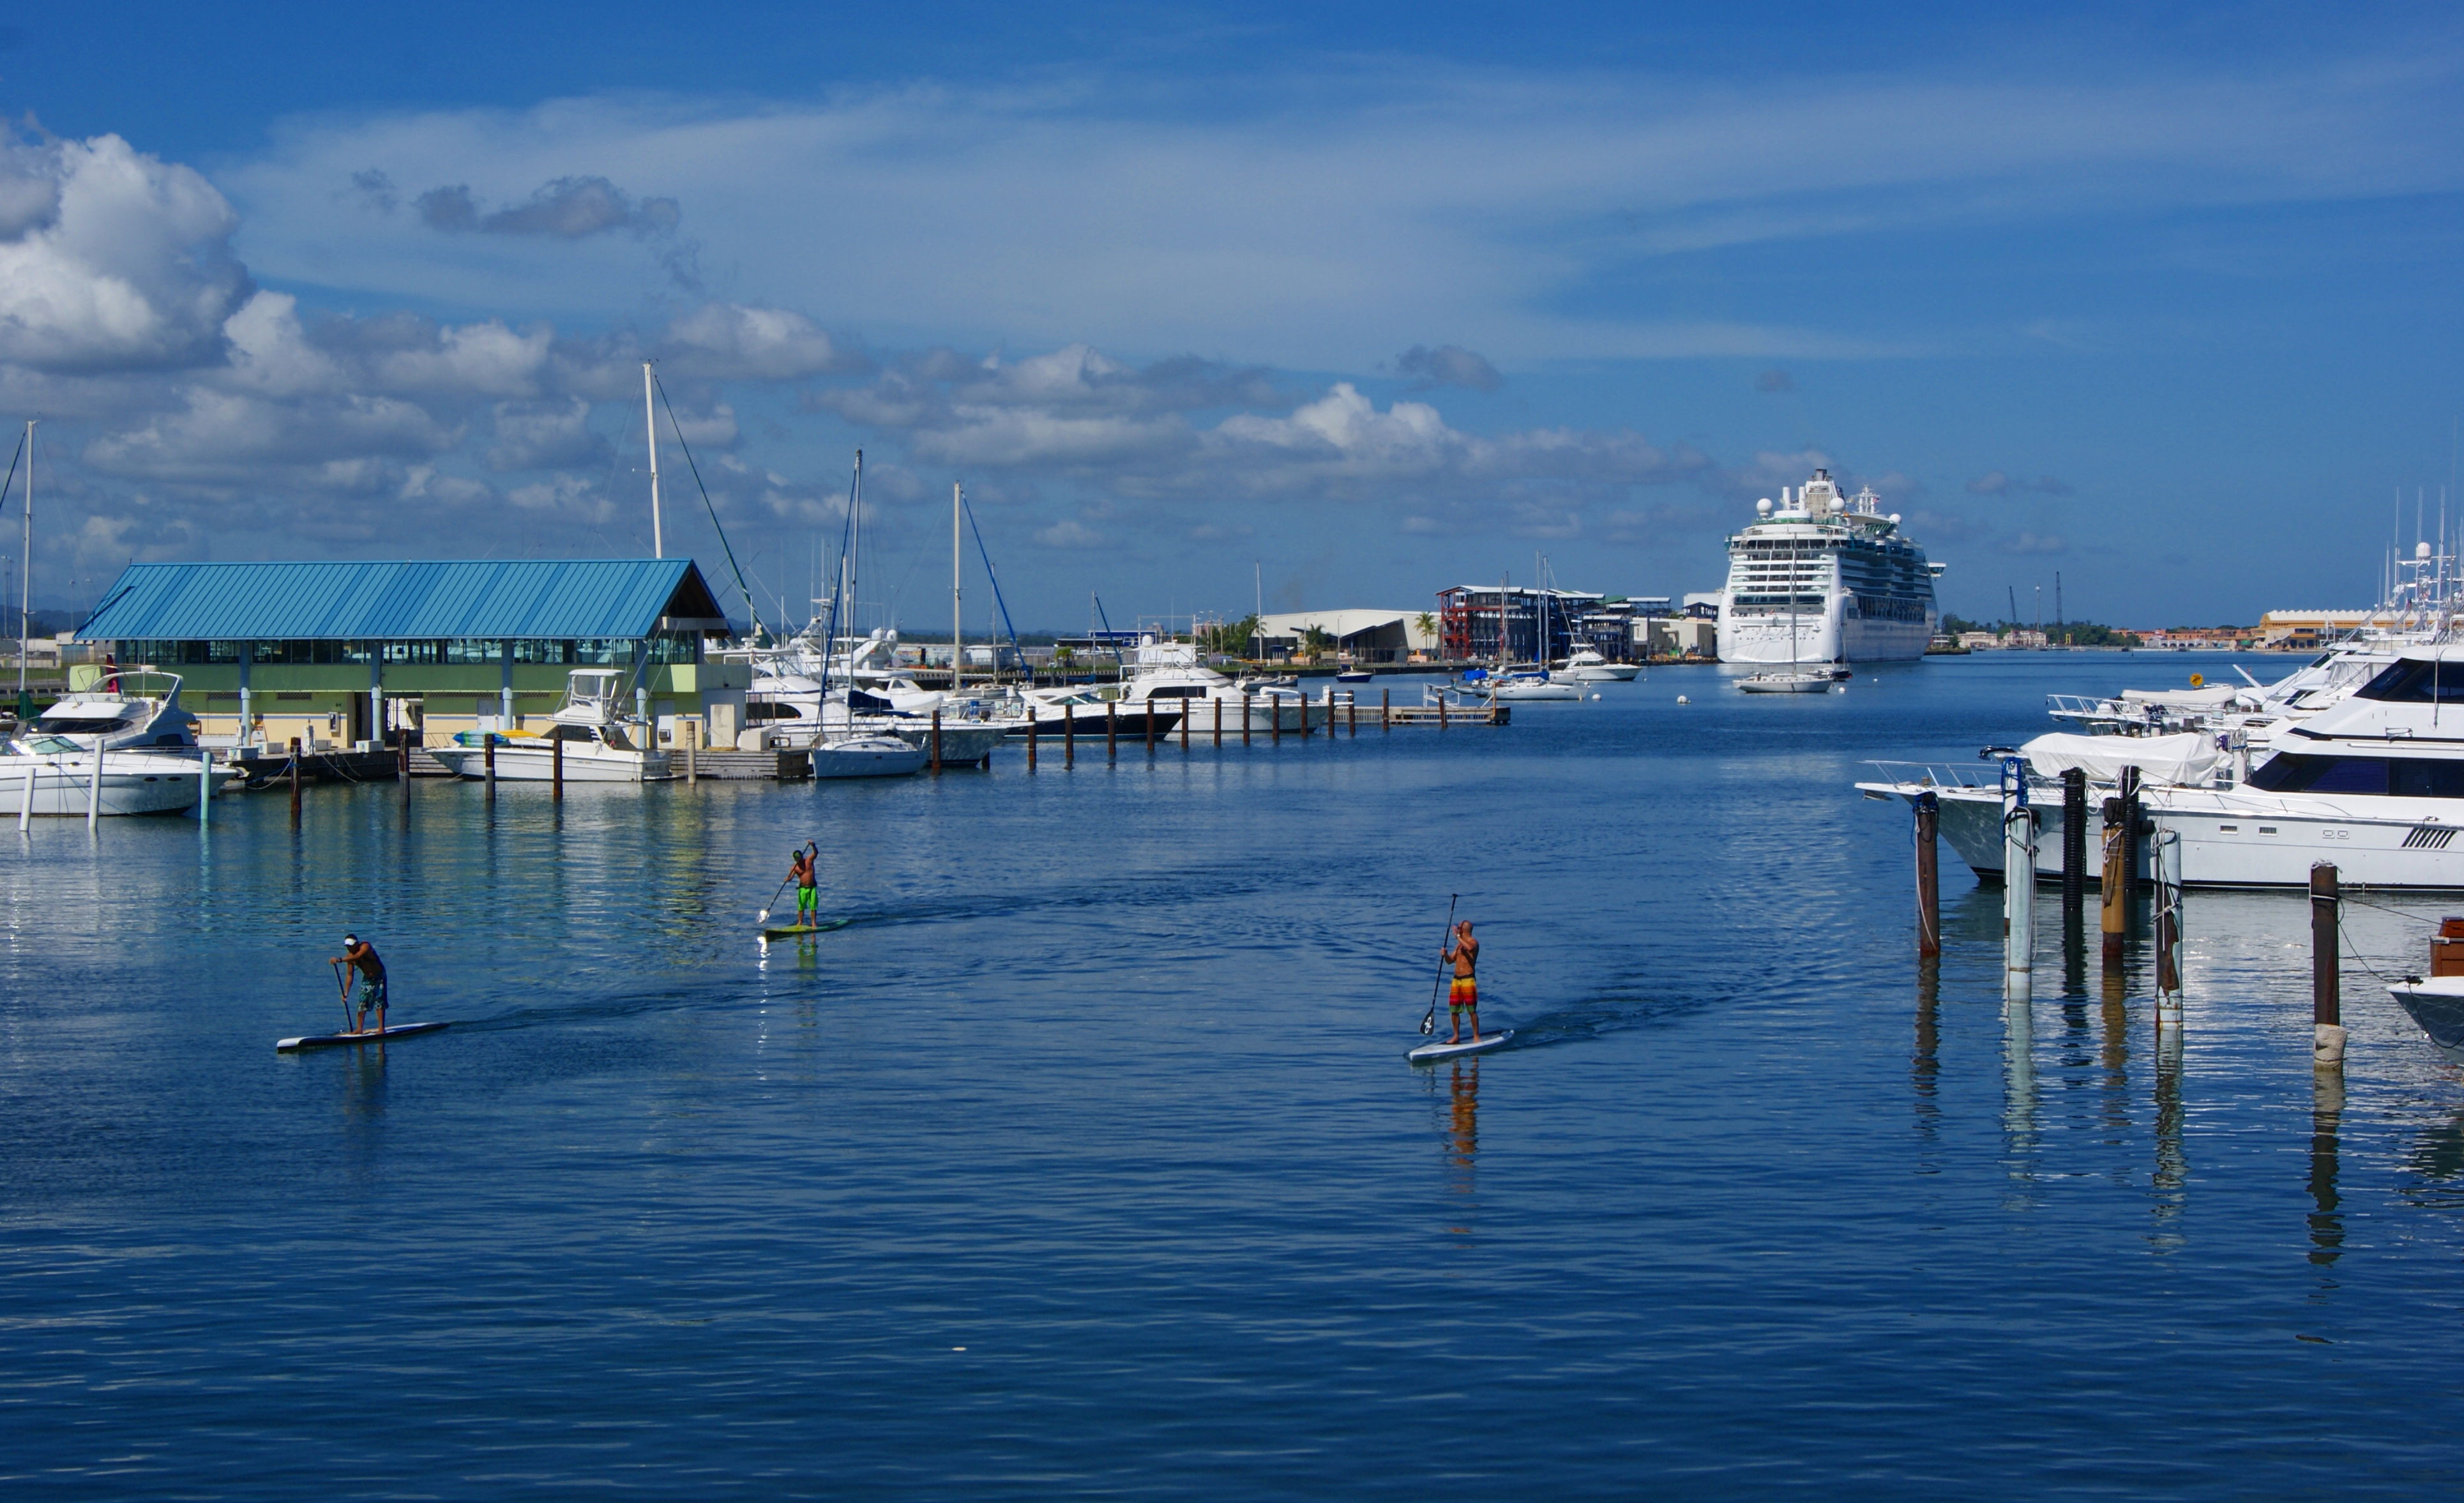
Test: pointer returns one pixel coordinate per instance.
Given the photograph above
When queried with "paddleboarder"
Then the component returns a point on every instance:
(362, 957)
(808, 891)
(1464, 996)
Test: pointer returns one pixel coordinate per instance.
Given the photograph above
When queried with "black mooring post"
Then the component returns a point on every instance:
(1928, 876)
(2073, 848)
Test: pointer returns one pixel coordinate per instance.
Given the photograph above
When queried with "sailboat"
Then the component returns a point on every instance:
(1533, 682)
(861, 753)
(1797, 680)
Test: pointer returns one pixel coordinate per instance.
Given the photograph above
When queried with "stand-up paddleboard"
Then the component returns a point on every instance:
(399, 1031)
(788, 931)
(1482, 1045)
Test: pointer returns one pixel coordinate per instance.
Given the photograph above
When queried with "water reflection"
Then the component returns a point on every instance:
(2020, 1086)
(2439, 1155)
(1925, 1064)
(2172, 1174)
(1462, 1124)
(2326, 1113)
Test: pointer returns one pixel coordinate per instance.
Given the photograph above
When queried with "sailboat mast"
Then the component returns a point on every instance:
(26, 583)
(650, 431)
(958, 622)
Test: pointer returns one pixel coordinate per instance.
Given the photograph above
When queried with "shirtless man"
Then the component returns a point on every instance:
(362, 957)
(808, 891)
(1465, 995)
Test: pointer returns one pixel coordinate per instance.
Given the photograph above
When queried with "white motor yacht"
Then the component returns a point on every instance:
(2374, 785)
(120, 708)
(590, 726)
(58, 775)
(792, 712)
(1969, 797)
(1167, 679)
(1587, 666)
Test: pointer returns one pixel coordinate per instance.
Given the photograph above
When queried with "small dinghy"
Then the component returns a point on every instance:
(1427, 1053)
(399, 1031)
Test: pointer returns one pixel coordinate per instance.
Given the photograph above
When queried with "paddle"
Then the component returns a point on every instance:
(1429, 1023)
(774, 897)
(342, 978)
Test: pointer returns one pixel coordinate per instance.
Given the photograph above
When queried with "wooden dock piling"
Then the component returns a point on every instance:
(1150, 727)
(2113, 893)
(1245, 716)
(1111, 729)
(1068, 736)
(295, 780)
(1031, 738)
(556, 769)
(2327, 969)
(1385, 710)
(486, 758)
(937, 743)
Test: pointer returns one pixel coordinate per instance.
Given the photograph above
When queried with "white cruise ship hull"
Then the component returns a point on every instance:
(1824, 638)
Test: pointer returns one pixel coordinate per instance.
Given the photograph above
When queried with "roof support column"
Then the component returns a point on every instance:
(376, 693)
(247, 706)
(505, 694)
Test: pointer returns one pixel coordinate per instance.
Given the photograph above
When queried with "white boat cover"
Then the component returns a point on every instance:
(2189, 759)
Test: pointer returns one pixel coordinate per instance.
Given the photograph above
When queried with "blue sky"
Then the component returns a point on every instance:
(1370, 298)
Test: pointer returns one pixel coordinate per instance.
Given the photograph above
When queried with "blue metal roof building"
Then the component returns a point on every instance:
(354, 651)
(519, 599)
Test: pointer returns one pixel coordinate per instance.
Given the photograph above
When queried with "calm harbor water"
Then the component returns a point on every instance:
(1084, 1159)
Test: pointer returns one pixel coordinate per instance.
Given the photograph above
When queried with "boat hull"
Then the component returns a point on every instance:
(1824, 638)
(2435, 1006)
(64, 789)
(867, 762)
(523, 762)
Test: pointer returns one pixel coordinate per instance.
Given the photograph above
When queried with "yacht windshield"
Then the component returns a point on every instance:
(2403, 777)
(2415, 682)
(86, 726)
(50, 745)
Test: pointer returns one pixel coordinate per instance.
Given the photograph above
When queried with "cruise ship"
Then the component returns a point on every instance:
(1826, 579)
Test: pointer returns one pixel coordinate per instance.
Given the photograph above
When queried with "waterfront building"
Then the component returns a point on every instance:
(1356, 636)
(341, 654)
(1518, 624)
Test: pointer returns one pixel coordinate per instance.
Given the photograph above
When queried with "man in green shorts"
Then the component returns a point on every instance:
(1465, 995)
(808, 891)
(362, 957)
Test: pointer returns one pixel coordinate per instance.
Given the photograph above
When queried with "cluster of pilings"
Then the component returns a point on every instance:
(2127, 833)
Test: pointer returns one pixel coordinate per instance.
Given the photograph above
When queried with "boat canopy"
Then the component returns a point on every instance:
(2189, 759)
